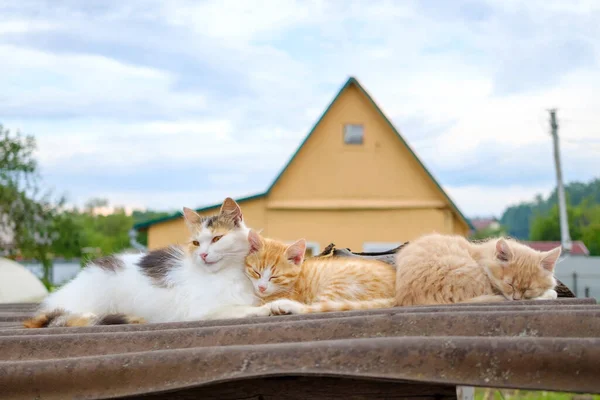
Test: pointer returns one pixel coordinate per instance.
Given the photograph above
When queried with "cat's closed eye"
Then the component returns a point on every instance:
(276, 276)
(216, 239)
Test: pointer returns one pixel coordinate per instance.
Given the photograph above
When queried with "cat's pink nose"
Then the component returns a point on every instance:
(204, 255)
(262, 288)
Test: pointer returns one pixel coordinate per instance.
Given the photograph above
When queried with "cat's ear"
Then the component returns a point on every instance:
(230, 209)
(191, 217)
(295, 251)
(503, 252)
(550, 258)
(255, 241)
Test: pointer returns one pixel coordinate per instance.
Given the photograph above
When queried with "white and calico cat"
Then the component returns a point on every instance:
(203, 279)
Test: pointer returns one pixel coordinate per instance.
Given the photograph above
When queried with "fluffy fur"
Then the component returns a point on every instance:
(288, 284)
(61, 318)
(443, 269)
(202, 279)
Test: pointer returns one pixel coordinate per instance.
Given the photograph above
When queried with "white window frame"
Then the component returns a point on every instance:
(376, 247)
(362, 138)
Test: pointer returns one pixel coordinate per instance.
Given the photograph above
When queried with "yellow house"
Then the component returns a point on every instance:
(354, 181)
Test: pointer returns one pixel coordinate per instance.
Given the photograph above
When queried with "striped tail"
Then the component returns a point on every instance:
(486, 298)
(348, 305)
(287, 306)
(60, 318)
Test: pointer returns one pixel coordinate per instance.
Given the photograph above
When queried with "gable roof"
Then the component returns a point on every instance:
(482, 223)
(349, 82)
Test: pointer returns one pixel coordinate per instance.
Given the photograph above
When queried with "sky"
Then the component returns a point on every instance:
(161, 104)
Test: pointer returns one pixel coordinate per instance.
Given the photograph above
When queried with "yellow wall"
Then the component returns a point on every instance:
(381, 168)
(166, 233)
(352, 228)
(346, 194)
(345, 228)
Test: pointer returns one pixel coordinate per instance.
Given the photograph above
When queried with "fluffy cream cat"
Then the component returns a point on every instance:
(443, 269)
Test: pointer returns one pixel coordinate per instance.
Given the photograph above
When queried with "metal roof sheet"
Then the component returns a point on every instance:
(549, 345)
(401, 352)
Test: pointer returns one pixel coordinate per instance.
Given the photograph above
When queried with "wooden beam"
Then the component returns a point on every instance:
(354, 204)
(314, 388)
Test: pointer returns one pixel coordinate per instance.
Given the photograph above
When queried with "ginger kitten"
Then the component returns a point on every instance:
(443, 269)
(288, 284)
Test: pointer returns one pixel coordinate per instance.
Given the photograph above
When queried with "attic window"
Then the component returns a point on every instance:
(353, 134)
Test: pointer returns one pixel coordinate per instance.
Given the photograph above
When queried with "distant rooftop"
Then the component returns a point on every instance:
(483, 223)
(578, 247)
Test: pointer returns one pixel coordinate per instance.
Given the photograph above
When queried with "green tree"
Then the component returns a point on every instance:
(31, 219)
(69, 241)
(107, 234)
(17, 176)
(489, 233)
(518, 218)
(143, 216)
(101, 234)
(584, 224)
(35, 225)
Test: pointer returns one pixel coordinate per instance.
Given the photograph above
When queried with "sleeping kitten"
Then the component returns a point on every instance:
(442, 269)
(288, 284)
(434, 269)
(203, 279)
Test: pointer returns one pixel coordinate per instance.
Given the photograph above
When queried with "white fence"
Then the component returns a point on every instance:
(581, 274)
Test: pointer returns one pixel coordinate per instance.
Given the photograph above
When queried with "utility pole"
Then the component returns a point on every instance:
(565, 237)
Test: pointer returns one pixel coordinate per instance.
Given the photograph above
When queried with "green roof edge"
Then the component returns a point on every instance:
(178, 214)
(452, 204)
(348, 83)
(351, 81)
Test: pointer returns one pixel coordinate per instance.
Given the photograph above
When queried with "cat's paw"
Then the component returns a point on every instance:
(548, 295)
(262, 311)
(285, 306)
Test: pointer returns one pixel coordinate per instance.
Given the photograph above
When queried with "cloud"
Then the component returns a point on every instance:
(156, 94)
(484, 201)
(142, 200)
(43, 85)
(112, 146)
(25, 26)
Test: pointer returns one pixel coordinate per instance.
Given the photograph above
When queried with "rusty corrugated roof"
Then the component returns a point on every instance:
(413, 351)
(550, 345)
